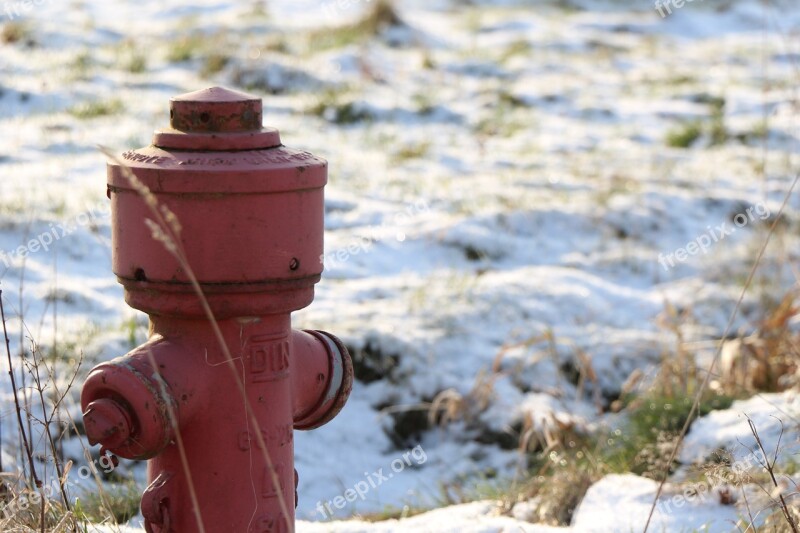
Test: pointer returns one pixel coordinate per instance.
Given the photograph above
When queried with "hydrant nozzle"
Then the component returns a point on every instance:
(106, 422)
(251, 212)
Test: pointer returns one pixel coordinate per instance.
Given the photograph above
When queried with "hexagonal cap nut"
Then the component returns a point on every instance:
(107, 423)
(215, 110)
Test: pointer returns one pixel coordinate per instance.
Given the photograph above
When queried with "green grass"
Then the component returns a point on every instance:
(135, 331)
(498, 125)
(654, 420)
(194, 45)
(184, 48)
(684, 136)
(680, 79)
(214, 63)
(717, 130)
(504, 118)
(560, 475)
(391, 512)
(81, 66)
(335, 107)
(69, 350)
(509, 100)
(119, 502)
(213, 51)
(130, 58)
(380, 16)
(136, 64)
(520, 47)
(411, 151)
(424, 102)
(759, 131)
(670, 413)
(96, 108)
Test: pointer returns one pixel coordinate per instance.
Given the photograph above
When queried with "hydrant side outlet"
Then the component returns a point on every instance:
(250, 212)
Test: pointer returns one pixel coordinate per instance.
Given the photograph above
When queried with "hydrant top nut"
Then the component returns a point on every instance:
(216, 119)
(215, 110)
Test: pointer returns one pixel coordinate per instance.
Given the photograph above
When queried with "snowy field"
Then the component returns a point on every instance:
(526, 201)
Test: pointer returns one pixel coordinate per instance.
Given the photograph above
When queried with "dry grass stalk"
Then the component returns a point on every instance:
(768, 359)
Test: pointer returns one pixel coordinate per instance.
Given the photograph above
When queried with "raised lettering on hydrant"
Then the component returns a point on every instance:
(218, 431)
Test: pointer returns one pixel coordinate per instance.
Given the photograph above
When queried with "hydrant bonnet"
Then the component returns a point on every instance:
(259, 204)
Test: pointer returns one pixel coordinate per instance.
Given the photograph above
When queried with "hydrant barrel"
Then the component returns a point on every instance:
(217, 217)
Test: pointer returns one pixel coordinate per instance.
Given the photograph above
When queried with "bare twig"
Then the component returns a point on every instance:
(55, 357)
(747, 507)
(23, 361)
(24, 436)
(770, 468)
(46, 421)
(86, 452)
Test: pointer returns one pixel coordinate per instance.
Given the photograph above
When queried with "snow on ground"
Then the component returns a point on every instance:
(775, 417)
(623, 502)
(477, 517)
(629, 496)
(498, 174)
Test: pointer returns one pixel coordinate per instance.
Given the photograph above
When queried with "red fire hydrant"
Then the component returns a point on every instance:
(218, 430)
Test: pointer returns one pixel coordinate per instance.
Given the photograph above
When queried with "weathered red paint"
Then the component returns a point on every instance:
(251, 216)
